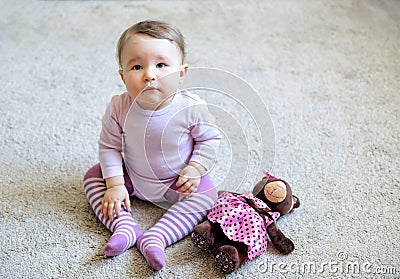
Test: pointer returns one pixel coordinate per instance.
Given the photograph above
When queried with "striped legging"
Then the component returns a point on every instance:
(178, 221)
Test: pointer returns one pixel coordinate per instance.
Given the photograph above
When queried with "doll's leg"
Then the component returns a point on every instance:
(125, 230)
(177, 222)
(204, 235)
(208, 236)
(229, 257)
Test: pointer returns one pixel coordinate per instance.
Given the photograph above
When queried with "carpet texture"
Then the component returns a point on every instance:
(327, 71)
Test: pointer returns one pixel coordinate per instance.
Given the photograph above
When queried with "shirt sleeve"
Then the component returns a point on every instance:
(206, 136)
(110, 142)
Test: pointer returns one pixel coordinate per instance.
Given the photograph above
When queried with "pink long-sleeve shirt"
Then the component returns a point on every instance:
(156, 145)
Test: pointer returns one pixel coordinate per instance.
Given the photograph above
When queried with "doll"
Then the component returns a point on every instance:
(238, 225)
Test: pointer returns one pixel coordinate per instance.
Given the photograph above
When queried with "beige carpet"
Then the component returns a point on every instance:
(328, 72)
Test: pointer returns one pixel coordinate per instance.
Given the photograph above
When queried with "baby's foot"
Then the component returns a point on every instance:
(152, 252)
(121, 240)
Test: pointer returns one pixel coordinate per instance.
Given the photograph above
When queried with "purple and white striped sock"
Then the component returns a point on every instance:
(177, 223)
(125, 230)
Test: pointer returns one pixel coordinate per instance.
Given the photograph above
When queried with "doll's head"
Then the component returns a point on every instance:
(276, 193)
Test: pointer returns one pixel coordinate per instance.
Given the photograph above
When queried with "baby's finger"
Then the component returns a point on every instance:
(190, 192)
(117, 208)
(185, 187)
(189, 189)
(111, 211)
(193, 190)
(127, 205)
(104, 210)
(182, 180)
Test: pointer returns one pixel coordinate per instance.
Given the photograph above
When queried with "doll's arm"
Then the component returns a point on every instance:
(280, 241)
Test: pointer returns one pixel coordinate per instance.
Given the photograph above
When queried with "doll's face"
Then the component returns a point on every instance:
(275, 191)
(151, 70)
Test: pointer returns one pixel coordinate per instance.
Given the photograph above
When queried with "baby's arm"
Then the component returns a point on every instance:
(206, 138)
(110, 148)
(115, 195)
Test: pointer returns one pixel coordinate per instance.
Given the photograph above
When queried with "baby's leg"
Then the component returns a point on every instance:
(177, 222)
(125, 230)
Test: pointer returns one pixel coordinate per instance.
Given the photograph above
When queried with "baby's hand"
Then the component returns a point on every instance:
(112, 201)
(188, 181)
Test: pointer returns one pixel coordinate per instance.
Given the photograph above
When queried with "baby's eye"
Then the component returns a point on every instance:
(136, 67)
(161, 65)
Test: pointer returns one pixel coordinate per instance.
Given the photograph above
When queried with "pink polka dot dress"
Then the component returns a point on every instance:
(240, 222)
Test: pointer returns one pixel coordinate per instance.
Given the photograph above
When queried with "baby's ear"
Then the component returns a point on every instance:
(184, 69)
(121, 74)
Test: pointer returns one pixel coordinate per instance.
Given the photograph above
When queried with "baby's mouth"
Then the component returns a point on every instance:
(149, 88)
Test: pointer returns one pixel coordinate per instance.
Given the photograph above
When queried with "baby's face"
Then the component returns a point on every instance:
(151, 70)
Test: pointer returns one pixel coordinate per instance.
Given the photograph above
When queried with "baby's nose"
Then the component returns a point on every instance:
(150, 75)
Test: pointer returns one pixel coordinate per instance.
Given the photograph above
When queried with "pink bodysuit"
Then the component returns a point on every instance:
(156, 145)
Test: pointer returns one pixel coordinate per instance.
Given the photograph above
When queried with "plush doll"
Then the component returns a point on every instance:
(238, 225)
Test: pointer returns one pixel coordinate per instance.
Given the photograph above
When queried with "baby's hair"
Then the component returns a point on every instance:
(155, 29)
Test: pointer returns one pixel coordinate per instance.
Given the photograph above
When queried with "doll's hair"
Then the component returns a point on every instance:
(155, 29)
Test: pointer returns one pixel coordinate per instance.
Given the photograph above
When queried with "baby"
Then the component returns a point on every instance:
(156, 143)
